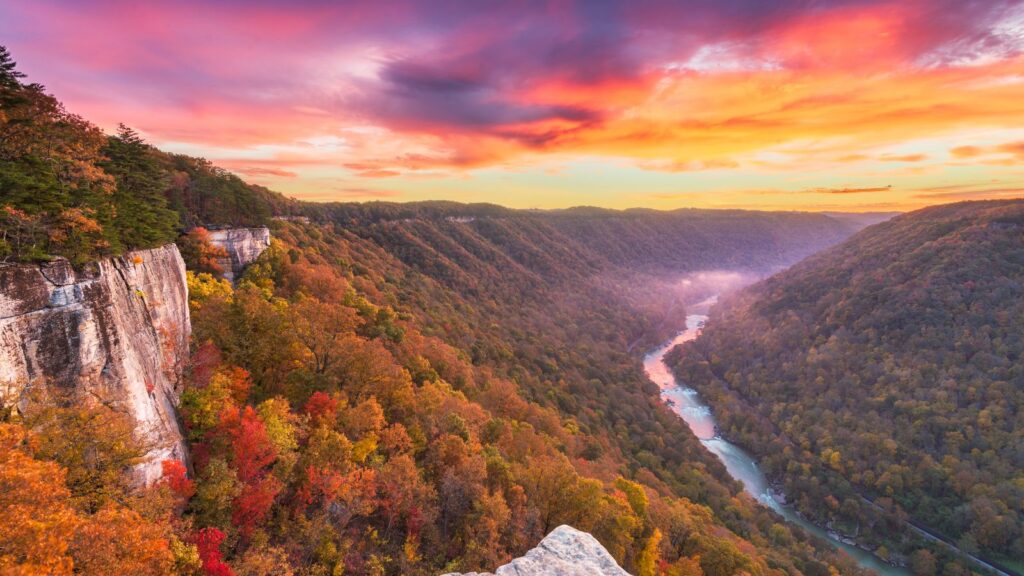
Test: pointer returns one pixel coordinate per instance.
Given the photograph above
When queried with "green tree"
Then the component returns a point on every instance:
(141, 217)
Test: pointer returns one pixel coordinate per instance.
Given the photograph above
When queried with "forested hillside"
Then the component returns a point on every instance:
(67, 189)
(389, 389)
(887, 368)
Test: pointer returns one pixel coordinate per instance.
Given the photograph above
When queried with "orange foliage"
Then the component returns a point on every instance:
(175, 475)
(38, 523)
(119, 541)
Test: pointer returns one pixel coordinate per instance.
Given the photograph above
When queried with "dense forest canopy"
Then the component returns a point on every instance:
(389, 389)
(888, 369)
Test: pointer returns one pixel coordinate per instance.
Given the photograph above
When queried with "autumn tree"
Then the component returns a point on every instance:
(39, 523)
(47, 530)
(208, 541)
(199, 254)
(117, 540)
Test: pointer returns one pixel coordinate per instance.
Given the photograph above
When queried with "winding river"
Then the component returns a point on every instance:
(740, 465)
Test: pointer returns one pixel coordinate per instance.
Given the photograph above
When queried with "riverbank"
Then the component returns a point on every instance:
(686, 403)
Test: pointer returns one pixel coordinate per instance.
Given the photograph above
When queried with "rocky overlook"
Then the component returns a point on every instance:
(243, 245)
(564, 552)
(115, 332)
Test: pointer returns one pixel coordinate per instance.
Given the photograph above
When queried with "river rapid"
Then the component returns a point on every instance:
(685, 402)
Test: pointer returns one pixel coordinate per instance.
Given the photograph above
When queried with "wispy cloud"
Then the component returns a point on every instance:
(969, 192)
(363, 193)
(868, 190)
(257, 171)
(903, 157)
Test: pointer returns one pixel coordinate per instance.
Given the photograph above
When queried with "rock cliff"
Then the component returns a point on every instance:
(115, 332)
(243, 245)
(564, 552)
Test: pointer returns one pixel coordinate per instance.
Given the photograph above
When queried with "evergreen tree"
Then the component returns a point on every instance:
(141, 215)
(9, 74)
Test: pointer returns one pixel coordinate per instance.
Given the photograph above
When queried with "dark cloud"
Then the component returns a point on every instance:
(457, 95)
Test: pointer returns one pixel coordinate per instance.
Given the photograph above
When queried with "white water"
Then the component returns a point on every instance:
(686, 403)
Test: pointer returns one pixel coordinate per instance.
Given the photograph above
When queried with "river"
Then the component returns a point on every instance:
(685, 402)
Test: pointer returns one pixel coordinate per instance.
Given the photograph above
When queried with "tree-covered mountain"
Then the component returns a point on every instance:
(389, 389)
(887, 368)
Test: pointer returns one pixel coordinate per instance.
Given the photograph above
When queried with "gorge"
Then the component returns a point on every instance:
(686, 402)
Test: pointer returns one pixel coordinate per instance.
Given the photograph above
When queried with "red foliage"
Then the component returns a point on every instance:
(322, 406)
(253, 450)
(323, 484)
(239, 382)
(208, 541)
(200, 456)
(205, 361)
(414, 521)
(175, 475)
(252, 505)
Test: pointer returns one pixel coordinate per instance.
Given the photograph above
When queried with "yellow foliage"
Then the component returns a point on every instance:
(647, 561)
(363, 448)
(204, 286)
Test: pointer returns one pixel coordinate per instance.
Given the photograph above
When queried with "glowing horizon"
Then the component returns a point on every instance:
(856, 105)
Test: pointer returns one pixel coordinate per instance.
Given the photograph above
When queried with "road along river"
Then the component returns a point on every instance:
(740, 465)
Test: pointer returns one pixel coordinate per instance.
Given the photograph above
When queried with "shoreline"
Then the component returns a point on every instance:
(775, 492)
(740, 465)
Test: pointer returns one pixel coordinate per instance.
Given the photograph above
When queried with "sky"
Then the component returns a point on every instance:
(859, 105)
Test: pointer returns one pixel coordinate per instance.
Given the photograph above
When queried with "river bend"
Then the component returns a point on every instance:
(685, 402)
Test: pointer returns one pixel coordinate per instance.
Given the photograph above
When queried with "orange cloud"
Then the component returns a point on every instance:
(257, 171)
(968, 192)
(851, 190)
(903, 157)
(966, 151)
(1015, 148)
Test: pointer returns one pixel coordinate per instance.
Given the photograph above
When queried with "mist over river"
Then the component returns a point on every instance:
(685, 402)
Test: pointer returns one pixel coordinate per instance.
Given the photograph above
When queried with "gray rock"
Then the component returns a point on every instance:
(564, 552)
(115, 332)
(243, 245)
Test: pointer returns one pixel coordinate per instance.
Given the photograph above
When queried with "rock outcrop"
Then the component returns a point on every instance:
(243, 245)
(115, 332)
(564, 552)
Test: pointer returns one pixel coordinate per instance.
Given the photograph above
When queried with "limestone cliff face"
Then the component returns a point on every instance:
(116, 332)
(564, 552)
(243, 245)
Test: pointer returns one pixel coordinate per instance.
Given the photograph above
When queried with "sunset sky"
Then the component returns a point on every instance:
(831, 104)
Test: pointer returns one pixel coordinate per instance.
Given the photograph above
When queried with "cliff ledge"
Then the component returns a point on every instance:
(243, 245)
(564, 552)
